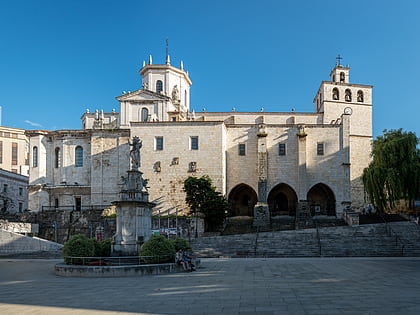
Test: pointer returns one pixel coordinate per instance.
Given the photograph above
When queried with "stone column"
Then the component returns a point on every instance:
(346, 186)
(303, 215)
(261, 211)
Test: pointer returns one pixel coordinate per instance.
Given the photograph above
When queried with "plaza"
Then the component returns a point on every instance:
(221, 286)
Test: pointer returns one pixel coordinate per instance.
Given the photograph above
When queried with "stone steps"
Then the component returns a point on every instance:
(341, 241)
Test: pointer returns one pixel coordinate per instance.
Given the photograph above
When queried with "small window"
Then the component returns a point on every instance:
(20, 191)
(173, 118)
(320, 149)
(282, 149)
(159, 143)
(159, 86)
(335, 94)
(78, 156)
(78, 203)
(241, 148)
(5, 188)
(14, 170)
(1, 151)
(14, 153)
(194, 143)
(35, 156)
(360, 96)
(144, 114)
(56, 204)
(20, 207)
(348, 96)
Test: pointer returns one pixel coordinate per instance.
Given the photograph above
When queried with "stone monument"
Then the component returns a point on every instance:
(134, 210)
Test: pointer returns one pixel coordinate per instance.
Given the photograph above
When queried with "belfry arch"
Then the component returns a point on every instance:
(242, 199)
(282, 200)
(321, 200)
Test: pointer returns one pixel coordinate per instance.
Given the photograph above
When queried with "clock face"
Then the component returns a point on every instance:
(348, 111)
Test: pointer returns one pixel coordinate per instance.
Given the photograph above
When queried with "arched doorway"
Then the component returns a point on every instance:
(321, 200)
(242, 199)
(282, 200)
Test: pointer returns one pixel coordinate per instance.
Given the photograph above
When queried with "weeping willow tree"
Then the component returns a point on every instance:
(394, 173)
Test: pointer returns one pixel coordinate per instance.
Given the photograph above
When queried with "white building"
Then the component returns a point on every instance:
(287, 162)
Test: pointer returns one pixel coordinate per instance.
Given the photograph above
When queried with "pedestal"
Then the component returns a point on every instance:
(134, 226)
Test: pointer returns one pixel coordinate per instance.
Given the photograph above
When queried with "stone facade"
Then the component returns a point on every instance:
(13, 192)
(283, 161)
(14, 150)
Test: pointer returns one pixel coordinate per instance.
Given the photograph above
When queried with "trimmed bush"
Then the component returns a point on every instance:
(160, 248)
(180, 243)
(102, 249)
(79, 246)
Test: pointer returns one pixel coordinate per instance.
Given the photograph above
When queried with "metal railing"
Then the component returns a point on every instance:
(74, 208)
(391, 231)
(118, 261)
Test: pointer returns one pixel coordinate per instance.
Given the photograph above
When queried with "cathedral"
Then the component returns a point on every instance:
(267, 164)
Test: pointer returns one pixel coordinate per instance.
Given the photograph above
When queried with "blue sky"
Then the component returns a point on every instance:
(58, 58)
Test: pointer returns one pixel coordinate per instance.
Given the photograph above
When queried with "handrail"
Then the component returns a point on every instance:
(117, 260)
(319, 239)
(390, 230)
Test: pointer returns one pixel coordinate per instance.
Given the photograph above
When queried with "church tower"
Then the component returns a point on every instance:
(164, 96)
(339, 97)
(168, 80)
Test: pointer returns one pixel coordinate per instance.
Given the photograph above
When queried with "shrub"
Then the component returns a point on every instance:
(79, 246)
(102, 249)
(180, 243)
(160, 248)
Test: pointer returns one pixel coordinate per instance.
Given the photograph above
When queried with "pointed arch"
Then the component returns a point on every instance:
(242, 199)
(321, 200)
(282, 200)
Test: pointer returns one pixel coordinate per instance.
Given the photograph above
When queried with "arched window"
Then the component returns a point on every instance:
(348, 96)
(57, 158)
(342, 77)
(144, 114)
(159, 86)
(335, 94)
(35, 156)
(78, 156)
(360, 96)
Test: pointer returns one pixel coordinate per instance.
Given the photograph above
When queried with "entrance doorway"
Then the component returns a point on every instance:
(321, 200)
(282, 200)
(242, 199)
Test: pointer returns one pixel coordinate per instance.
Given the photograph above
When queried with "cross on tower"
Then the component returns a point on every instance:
(338, 59)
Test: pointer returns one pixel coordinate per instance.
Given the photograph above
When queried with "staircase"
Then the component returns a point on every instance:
(392, 239)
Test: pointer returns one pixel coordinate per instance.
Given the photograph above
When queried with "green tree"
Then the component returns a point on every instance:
(394, 173)
(203, 198)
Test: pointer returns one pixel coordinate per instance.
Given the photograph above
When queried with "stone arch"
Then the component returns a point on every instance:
(321, 200)
(242, 199)
(282, 200)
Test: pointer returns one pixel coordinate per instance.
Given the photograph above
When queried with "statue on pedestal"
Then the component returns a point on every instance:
(135, 153)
